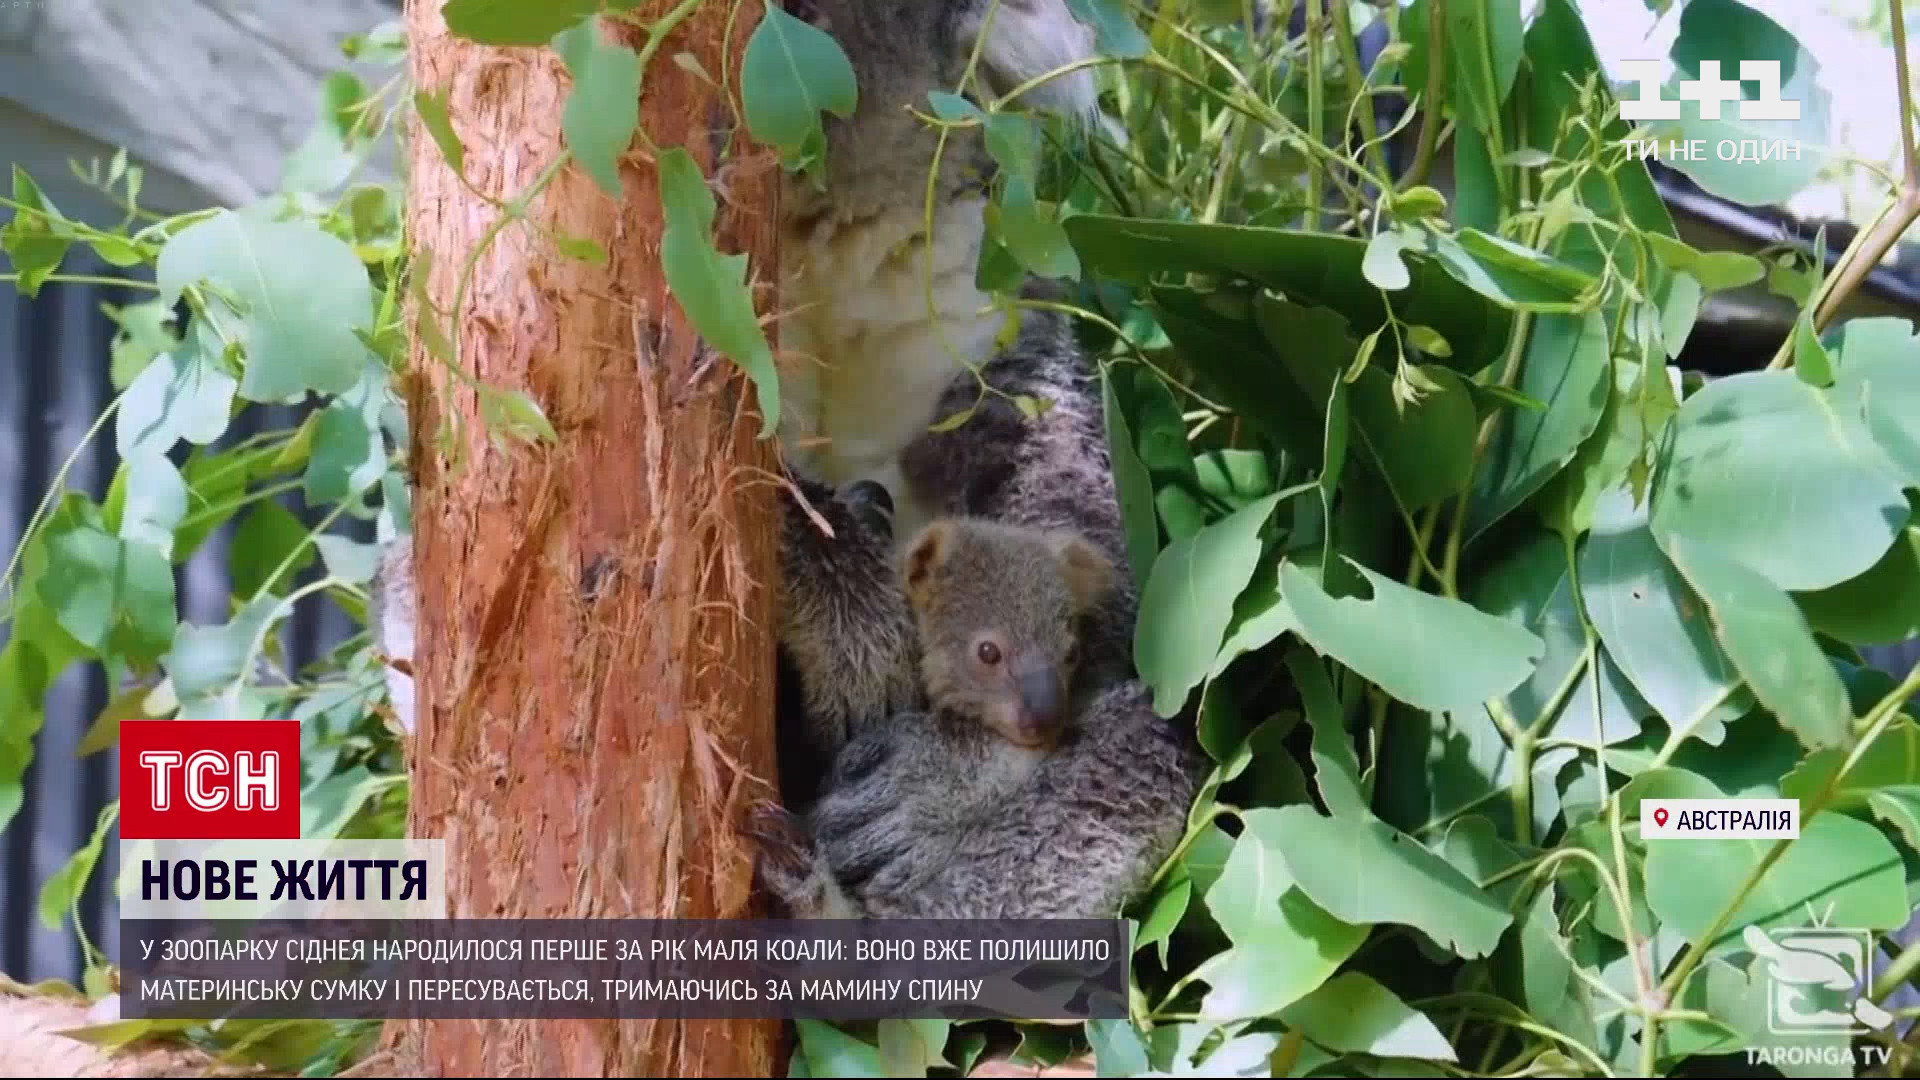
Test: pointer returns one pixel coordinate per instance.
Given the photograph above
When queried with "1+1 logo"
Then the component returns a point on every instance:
(1711, 91)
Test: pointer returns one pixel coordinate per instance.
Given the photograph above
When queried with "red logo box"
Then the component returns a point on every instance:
(210, 779)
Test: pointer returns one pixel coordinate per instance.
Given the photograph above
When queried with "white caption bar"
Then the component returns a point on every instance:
(1700, 819)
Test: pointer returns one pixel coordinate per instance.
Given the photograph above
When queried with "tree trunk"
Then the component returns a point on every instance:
(594, 660)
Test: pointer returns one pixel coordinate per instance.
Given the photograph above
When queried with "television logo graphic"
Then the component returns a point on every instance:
(210, 779)
(1709, 90)
(1817, 980)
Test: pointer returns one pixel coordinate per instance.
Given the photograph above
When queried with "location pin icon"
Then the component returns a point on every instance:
(1660, 816)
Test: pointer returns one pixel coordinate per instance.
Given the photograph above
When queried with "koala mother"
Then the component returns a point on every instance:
(886, 334)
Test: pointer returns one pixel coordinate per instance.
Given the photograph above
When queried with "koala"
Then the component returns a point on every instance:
(883, 313)
(884, 333)
(1000, 611)
(390, 611)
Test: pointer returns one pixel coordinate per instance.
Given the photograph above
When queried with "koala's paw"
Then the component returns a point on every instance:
(786, 866)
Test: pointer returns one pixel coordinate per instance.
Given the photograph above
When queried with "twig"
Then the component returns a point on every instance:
(1430, 117)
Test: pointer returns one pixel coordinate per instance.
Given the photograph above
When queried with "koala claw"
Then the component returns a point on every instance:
(786, 857)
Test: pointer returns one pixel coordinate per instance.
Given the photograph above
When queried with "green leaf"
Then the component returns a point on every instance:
(1477, 201)
(1715, 29)
(1810, 359)
(105, 730)
(1425, 451)
(1382, 264)
(38, 236)
(267, 536)
(1419, 201)
(1780, 476)
(111, 595)
(1653, 625)
(1235, 477)
(1284, 945)
(1679, 312)
(828, 1051)
(1168, 908)
(156, 500)
(793, 72)
(1036, 239)
(1716, 271)
(1878, 367)
(304, 291)
(146, 331)
(1483, 57)
(1890, 762)
(1566, 365)
(205, 660)
(1183, 608)
(1529, 585)
(348, 456)
(215, 486)
(711, 288)
(1880, 607)
(514, 22)
(1131, 482)
(1013, 141)
(1841, 868)
(1335, 768)
(348, 560)
(63, 889)
(1768, 640)
(1354, 1014)
(1117, 1047)
(1511, 275)
(432, 108)
(183, 395)
(1545, 968)
(1310, 268)
(1728, 31)
(603, 108)
(1362, 871)
(336, 144)
(1425, 650)
(953, 108)
(1114, 31)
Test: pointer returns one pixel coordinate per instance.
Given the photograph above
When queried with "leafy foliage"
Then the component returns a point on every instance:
(1417, 469)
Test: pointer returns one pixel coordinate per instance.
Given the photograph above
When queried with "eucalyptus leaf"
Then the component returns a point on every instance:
(305, 298)
(1426, 650)
(1781, 477)
(1182, 614)
(1363, 871)
(603, 107)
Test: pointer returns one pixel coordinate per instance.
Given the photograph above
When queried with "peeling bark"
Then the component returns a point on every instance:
(594, 659)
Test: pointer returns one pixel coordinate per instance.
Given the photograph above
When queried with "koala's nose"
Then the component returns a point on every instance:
(1042, 703)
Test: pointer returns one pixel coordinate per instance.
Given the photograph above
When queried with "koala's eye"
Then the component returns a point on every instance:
(988, 652)
(1073, 652)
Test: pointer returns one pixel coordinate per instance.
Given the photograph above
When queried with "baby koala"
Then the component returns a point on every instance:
(998, 611)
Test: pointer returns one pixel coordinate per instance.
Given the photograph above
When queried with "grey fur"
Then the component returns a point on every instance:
(1076, 834)
(933, 815)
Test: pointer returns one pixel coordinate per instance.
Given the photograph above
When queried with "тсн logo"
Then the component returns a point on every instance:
(210, 780)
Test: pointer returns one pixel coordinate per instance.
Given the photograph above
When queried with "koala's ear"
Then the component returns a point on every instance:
(1088, 571)
(924, 557)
